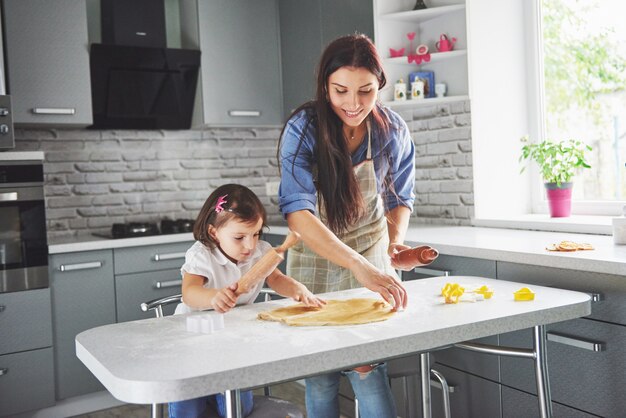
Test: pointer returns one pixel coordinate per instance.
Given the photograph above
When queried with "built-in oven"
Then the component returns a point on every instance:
(23, 242)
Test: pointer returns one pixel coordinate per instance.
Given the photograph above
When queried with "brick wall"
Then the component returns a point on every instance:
(97, 178)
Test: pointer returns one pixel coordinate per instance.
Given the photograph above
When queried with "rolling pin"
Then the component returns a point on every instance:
(414, 257)
(266, 265)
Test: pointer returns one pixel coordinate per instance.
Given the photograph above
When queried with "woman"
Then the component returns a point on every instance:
(347, 177)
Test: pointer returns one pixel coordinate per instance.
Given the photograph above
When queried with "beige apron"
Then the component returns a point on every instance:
(368, 236)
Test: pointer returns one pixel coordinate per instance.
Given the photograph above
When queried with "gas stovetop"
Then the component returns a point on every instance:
(143, 229)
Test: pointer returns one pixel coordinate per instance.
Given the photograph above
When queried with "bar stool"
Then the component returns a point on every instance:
(265, 406)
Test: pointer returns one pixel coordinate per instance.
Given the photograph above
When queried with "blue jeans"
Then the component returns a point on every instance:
(371, 389)
(193, 408)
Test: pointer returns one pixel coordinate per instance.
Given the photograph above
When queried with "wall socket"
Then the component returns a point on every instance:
(271, 188)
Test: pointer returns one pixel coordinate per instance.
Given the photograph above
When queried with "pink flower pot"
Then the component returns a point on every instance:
(559, 199)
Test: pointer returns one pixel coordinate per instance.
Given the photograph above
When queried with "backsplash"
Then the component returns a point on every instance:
(97, 178)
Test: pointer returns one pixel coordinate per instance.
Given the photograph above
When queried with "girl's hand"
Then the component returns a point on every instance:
(304, 295)
(387, 286)
(395, 248)
(225, 299)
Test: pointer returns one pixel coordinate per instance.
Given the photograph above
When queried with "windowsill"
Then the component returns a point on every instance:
(583, 224)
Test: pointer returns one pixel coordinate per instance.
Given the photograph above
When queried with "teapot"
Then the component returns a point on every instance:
(444, 44)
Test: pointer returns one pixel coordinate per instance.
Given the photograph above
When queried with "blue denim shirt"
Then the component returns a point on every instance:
(297, 190)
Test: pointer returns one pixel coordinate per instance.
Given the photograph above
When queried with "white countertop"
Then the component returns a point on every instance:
(157, 360)
(515, 246)
(518, 246)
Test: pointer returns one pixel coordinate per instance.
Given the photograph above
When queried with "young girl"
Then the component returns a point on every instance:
(227, 245)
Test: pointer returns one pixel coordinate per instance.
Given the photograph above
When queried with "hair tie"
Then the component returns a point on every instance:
(220, 201)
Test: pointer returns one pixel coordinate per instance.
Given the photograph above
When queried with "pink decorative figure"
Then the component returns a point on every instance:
(411, 36)
(396, 52)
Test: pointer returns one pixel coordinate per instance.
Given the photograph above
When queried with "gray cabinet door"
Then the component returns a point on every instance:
(517, 404)
(611, 306)
(240, 62)
(26, 381)
(83, 297)
(48, 61)
(454, 266)
(133, 289)
(25, 320)
(584, 379)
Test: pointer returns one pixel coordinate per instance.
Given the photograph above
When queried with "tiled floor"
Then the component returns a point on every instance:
(292, 392)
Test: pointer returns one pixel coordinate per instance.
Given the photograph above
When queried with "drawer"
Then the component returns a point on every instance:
(517, 404)
(25, 320)
(131, 290)
(584, 379)
(26, 381)
(480, 364)
(150, 257)
(610, 288)
(472, 396)
(454, 266)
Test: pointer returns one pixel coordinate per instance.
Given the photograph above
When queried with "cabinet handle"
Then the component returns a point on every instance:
(6, 197)
(596, 297)
(575, 342)
(424, 270)
(169, 283)
(54, 110)
(81, 266)
(170, 256)
(244, 113)
(2, 308)
(4, 371)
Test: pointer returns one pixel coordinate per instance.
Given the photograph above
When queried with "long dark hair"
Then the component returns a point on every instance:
(239, 203)
(337, 187)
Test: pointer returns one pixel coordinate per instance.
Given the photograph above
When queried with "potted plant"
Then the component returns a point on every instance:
(558, 162)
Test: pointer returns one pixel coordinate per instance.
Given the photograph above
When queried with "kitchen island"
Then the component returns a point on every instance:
(158, 360)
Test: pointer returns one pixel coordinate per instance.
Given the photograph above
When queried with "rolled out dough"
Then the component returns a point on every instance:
(335, 312)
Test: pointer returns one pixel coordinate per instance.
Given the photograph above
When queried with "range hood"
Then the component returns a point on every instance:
(136, 82)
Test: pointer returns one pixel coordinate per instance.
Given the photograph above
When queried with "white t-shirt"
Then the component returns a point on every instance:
(220, 271)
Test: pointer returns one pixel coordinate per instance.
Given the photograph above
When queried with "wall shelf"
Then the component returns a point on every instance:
(424, 102)
(423, 15)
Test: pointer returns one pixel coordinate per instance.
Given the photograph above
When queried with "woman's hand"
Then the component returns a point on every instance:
(393, 250)
(387, 286)
(225, 299)
(304, 295)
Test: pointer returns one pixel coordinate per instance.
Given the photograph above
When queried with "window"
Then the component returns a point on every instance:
(583, 51)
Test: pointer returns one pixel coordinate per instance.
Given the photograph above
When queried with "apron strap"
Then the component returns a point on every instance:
(369, 140)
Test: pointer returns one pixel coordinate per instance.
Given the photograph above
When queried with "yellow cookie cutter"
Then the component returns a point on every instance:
(524, 294)
(452, 292)
(485, 291)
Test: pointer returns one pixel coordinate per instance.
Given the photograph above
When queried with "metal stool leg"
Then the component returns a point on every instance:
(156, 410)
(445, 389)
(229, 404)
(356, 408)
(541, 372)
(425, 377)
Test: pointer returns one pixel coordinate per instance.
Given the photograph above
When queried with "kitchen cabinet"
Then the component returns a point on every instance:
(306, 27)
(26, 366)
(239, 82)
(47, 62)
(587, 351)
(146, 273)
(83, 297)
(394, 19)
(518, 404)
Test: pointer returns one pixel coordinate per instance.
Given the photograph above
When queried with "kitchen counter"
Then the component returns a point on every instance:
(515, 246)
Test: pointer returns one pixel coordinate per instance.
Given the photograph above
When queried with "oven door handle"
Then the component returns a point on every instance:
(8, 197)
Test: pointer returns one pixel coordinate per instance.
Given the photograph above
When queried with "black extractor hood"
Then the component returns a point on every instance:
(136, 82)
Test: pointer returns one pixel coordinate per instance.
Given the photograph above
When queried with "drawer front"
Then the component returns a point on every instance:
(454, 266)
(611, 288)
(584, 379)
(131, 290)
(25, 322)
(487, 366)
(26, 381)
(150, 257)
(517, 404)
(472, 396)
(83, 297)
